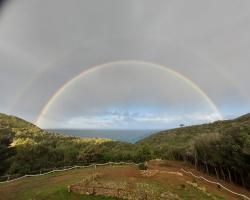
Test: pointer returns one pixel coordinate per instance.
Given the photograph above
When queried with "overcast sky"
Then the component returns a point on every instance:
(155, 54)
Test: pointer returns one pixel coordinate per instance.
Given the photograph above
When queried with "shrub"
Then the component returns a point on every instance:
(143, 166)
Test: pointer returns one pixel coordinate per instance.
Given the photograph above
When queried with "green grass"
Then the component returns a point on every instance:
(49, 187)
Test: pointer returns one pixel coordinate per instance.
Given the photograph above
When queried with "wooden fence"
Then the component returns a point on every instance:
(15, 177)
(216, 183)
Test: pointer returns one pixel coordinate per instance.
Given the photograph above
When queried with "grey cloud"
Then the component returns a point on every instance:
(50, 42)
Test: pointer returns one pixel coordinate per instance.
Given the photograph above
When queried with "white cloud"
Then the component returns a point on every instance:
(204, 117)
(89, 122)
(135, 120)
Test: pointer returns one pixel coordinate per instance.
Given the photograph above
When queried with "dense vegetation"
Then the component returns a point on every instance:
(25, 148)
(220, 149)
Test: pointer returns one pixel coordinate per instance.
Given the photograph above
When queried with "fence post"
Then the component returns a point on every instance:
(118, 192)
(93, 191)
(69, 188)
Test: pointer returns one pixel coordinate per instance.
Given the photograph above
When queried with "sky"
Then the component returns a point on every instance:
(114, 64)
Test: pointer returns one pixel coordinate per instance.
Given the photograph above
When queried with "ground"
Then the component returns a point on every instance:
(163, 177)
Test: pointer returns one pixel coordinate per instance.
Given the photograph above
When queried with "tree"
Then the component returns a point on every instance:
(144, 153)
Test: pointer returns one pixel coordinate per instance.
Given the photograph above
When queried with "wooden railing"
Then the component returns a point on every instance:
(216, 183)
(15, 177)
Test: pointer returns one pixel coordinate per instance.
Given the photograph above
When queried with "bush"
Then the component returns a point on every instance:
(143, 166)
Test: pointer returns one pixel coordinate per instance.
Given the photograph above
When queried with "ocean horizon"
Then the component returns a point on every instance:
(125, 135)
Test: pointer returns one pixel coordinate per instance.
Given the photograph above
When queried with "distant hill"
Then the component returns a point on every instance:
(181, 137)
(7, 121)
(185, 136)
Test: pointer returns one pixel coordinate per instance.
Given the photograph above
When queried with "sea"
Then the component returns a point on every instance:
(130, 136)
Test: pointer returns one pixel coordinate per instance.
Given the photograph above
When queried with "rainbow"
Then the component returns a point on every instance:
(85, 72)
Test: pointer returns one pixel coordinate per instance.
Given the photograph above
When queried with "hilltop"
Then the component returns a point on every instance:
(9, 121)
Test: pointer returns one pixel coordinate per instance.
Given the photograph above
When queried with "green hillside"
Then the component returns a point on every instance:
(25, 149)
(221, 148)
(12, 121)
